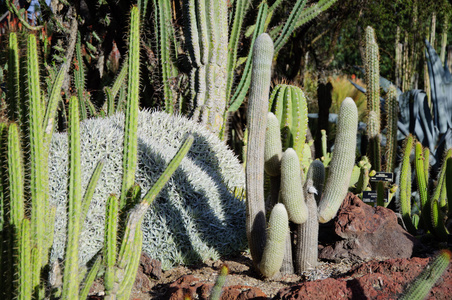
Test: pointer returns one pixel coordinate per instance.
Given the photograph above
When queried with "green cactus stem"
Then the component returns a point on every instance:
(405, 184)
(245, 81)
(89, 280)
(448, 184)
(273, 254)
(38, 176)
(273, 147)
(24, 275)
(130, 250)
(89, 192)
(16, 178)
(131, 123)
(306, 254)
(391, 106)
(420, 174)
(79, 78)
(219, 283)
(292, 188)
(71, 268)
(111, 231)
(420, 288)
(342, 162)
(111, 92)
(13, 88)
(164, 35)
(437, 219)
(289, 105)
(257, 119)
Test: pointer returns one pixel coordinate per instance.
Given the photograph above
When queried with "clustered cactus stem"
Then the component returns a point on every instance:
(342, 162)
(257, 119)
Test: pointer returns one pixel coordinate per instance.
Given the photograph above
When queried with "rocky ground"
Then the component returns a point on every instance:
(364, 254)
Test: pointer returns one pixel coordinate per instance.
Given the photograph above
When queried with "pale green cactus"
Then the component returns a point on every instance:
(292, 187)
(275, 245)
(342, 162)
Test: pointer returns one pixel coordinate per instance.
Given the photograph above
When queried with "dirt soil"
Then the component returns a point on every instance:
(241, 272)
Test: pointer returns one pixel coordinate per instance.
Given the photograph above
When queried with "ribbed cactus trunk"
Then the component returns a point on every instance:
(342, 162)
(257, 121)
(207, 35)
(290, 107)
(372, 65)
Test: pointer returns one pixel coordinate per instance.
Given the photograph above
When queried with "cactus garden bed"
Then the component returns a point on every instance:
(372, 279)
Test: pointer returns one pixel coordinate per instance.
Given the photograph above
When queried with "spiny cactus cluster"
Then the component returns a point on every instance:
(193, 212)
(298, 199)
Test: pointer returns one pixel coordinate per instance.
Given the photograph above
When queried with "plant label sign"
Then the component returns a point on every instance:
(382, 176)
(371, 196)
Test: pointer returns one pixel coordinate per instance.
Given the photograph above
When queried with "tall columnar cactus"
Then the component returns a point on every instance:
(391, 107)
(372, 65)
(28, 175)
(208, 45)
(71, 267)
(289, 105)
(164, 35)
(342, 162)
(257, 119)
(422, 285)
(133, 83)
(306, 254)
(405, 184)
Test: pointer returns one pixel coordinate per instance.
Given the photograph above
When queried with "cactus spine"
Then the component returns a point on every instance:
(257, 119)
(342, 162)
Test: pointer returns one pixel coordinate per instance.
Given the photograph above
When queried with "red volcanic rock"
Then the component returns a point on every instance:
(367, 232)
(372, 280)
(190, 285)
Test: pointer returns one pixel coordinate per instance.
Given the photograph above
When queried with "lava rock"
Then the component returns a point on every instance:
(366, 232)
(372, 280)
(192, 286)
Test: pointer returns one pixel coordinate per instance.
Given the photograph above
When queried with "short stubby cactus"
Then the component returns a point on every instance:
(196, 216)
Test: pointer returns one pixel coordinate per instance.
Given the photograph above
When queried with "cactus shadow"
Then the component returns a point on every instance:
(194, 222)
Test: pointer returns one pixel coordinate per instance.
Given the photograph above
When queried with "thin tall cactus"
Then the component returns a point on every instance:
(342, 162)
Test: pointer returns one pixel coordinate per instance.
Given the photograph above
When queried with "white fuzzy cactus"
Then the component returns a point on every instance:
(196, 216)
